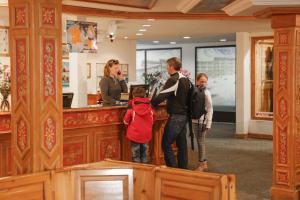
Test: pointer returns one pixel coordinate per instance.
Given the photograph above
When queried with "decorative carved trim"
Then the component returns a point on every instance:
(283, 71)
(49, 68)
(93, 118)
(283, 38)
(283, 108)
(20, 16)
(22, 74)
(23, 137)
(50, 134)
(282, 146)
(109, 148)
(282, 177)
(48, 16)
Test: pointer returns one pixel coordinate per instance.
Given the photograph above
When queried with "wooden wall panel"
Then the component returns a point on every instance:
(35, 38)
(33, 187)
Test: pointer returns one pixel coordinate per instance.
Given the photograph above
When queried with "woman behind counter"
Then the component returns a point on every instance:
(113, 83)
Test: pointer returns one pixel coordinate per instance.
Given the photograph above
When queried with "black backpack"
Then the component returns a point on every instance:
(197, 102)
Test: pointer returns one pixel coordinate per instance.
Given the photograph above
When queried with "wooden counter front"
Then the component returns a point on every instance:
(90, 135)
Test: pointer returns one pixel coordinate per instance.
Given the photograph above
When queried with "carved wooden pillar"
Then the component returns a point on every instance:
(286, 146)
(35, 38)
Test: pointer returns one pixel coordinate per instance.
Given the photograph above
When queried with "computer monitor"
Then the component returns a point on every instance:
(67, 100)
(145, 86)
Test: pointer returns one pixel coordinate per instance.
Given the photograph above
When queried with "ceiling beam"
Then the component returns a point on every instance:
(148, 15)
(185, 6)
(124, 4)
(268, 12)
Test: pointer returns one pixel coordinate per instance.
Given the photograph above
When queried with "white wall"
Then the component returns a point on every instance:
(122, 50)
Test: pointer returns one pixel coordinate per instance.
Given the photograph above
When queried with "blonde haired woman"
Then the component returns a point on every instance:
(113, 83)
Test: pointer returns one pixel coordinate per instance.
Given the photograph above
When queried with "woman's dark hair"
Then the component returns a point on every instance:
(175, 62)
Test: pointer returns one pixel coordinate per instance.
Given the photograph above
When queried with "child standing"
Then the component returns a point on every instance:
(139, 120)
(205, 122)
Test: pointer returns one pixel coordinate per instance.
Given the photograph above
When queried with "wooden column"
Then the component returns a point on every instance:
(35, 41)
(286, 146)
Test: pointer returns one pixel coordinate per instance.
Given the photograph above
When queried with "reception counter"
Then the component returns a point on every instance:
(89, 135)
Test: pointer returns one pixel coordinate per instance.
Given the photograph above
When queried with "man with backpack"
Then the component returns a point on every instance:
(176, 91)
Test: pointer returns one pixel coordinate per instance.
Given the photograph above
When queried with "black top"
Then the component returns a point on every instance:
(175, 104)
(111, 90)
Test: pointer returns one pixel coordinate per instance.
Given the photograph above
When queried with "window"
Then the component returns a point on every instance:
(153, 60)
(219, 65)
(262, 77)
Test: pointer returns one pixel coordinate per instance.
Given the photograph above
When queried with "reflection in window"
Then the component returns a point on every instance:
(149, 61)
(262, 77)
(219, 64)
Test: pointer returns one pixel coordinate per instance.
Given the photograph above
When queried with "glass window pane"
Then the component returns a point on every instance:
(219, 64)
(156, 59)
(140, 66)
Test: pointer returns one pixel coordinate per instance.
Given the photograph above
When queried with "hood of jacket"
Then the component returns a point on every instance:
(141, 106)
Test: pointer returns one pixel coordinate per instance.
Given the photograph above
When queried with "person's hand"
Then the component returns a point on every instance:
(120, 76)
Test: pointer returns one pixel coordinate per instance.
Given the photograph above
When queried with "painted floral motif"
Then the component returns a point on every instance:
(49, 134)
(110, 148)
(282, 146)
(73, 154)
(22, 135)
(92, 118)
(283, 61)
(20, 16)
(48, 16)
(49, 68)
(21, 69)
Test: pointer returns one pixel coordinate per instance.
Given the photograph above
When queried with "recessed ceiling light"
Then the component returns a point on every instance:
(139, 34)
(172, 42)
(187, 37)
(155, 41)
(142, 30)
(146, 25)
(223, 40)
(125, 37)
(151, 19)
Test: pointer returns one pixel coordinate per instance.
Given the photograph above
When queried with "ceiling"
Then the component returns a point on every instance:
(146, 4)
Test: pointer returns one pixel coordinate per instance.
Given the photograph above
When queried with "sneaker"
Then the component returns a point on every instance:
(203, 166)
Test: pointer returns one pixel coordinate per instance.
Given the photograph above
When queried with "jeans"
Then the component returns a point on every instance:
(140, 152)
(175, 130)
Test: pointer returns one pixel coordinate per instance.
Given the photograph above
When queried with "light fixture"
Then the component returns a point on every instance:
(151, 19)
(223, 40)
(143, 30)
(172, 42)
(156, 41)
(125, 37)
(139, 34)
(146, 25)
(186, 37)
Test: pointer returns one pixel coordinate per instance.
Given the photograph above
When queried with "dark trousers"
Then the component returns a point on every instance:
(139, 152)
(175, 130)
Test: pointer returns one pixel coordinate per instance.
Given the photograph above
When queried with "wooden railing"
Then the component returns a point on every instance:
(109, 180)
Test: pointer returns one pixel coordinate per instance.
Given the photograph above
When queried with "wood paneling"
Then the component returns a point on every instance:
(35, 38)
(189, 185)
(148, 15)
(286, 124)
(33, 187)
